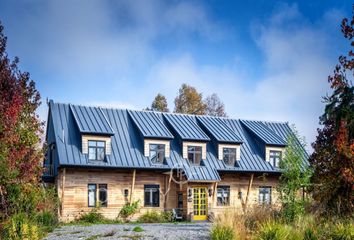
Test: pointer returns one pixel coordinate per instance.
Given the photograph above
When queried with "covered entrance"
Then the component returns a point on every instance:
(200, 203)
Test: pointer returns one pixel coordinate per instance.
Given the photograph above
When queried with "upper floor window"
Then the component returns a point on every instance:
(223, 196)
(96, 150)
(275, 157)
(265, 195)
(157, 153)
(194, 154)
(229, 156)
(151, 195)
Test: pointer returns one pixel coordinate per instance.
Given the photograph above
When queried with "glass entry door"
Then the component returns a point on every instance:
(200, 203)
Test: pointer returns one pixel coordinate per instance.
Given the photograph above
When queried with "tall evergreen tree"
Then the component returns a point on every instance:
(189, 101)
(214, 106)
(159, 104)
(333, 157)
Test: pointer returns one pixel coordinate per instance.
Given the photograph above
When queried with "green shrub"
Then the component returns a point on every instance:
(222, 232)
(46, 219)
(273, 231)
(138, 229)
(19, 227)
(92, 217)
(167, 216)
(128, 210)
(342, 231)
(150, 217)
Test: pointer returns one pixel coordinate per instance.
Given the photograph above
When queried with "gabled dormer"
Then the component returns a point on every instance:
(95, 132)
(273, 145)
(156, 137)
(192, 138)
(227, 142)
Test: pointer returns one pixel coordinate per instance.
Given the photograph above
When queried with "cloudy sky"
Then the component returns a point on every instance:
(267, 60)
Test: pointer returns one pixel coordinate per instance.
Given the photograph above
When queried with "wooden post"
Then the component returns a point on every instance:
(167, 188)
(215, 193)
(62, 191)
(248, 190)
(132, 187)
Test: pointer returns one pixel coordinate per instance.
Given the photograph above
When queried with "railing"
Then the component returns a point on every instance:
(48, 170)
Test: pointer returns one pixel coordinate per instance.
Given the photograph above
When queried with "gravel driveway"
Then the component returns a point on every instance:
(166, 231)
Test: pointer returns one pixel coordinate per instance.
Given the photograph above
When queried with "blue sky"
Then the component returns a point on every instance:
(266, 60)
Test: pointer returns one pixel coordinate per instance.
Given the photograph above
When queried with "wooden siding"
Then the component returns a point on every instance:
(74, 193)
(185, 145)
(86, 138)
(268, 149)
(221, 146)
(147, 143)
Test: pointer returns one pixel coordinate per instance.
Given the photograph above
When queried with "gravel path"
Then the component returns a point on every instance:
(166, 231)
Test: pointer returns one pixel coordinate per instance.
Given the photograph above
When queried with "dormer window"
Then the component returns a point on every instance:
(229, 156)
(194, 154)
(275, 157)
(157, 153)
(96, 150)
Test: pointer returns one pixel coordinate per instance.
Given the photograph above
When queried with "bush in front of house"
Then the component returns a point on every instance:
(128, 210)
(222, 232)
(156, 217)
(94, 217)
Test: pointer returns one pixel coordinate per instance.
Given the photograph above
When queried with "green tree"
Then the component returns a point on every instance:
(295, 176)
(333, 156)
(189, 101)
(159, 104)
(214, 106)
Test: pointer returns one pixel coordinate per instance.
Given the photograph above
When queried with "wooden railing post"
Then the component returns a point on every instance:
(248, 191)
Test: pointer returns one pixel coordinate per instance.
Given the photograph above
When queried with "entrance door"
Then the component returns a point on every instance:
(200, 203)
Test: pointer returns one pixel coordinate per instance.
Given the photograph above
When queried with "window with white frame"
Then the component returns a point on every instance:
(275, 157)
(265, 195)
(223, 195)
(195, 154)
(157, 153)
(229, 156)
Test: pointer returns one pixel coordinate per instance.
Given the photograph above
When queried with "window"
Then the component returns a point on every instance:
(275, 157)
(194, 154)
(229, 156)
(157, 153)
(265, 195)
(223, 196)
(102, 195)
(151, 195)
(92, 195)
(96, 150)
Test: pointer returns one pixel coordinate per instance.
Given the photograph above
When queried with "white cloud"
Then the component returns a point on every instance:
(296, 62)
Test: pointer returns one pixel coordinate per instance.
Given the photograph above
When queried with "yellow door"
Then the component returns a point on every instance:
(200, 203)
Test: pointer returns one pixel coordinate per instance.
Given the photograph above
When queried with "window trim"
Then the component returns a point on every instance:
(194, 154)
(151, 202)
(272, 158)
(96, 147)
(270, 195)
(223, 190)
(223, 155)
(157, 152)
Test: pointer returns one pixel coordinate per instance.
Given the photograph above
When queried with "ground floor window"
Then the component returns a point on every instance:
(223, 195)
(99, 190)
(151, 195)
(265, 195)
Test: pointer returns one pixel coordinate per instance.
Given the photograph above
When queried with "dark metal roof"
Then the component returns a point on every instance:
(264, 133)
(127, 145)
(150, 124)
(218, 129)
(91, 120)
(186, 127)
